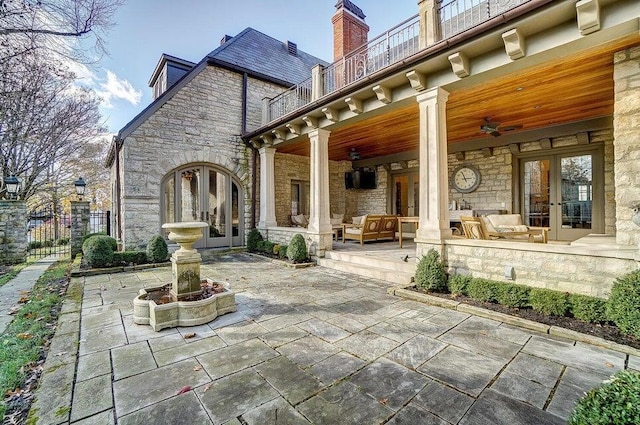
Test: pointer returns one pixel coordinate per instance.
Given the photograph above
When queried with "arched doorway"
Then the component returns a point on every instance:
(203, 192)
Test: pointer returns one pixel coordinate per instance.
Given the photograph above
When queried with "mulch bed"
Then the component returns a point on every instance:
(606, 331)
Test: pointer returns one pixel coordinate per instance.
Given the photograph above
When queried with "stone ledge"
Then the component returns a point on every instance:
(76, 272)
(284, 263)
(400, 291)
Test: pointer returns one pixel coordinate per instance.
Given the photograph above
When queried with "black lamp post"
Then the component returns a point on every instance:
(13, 184)
(80, 185)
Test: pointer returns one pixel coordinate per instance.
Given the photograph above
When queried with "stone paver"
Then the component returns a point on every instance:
(307, 346)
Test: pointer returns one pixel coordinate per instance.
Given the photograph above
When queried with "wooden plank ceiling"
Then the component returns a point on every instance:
(562, 91)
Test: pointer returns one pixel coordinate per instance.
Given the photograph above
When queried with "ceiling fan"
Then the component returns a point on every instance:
(494, 128)
(354, 155)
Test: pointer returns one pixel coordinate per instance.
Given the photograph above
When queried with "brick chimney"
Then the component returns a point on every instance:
(349, 29)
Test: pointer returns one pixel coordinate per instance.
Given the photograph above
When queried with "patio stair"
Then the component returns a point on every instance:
(367, 265)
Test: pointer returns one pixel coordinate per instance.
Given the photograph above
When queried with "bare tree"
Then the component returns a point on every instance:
(44, 121)
(29, 25)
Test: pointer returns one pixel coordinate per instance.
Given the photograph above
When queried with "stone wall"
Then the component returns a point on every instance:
(199, 124)
(80, 216)
(626, 129)
(295, 167)
(13, 232)
(373, 201)
(561, 268)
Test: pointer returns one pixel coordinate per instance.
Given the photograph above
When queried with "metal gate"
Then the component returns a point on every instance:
(48, 232)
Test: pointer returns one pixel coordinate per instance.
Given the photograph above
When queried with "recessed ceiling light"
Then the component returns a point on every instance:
(537, 107)
(519, 88)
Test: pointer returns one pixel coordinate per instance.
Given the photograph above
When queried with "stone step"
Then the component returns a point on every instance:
(367, 271)
(393, 261)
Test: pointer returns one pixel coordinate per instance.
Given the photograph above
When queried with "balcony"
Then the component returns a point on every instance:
(393, 46)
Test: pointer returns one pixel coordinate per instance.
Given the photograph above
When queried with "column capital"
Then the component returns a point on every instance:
(435, 93)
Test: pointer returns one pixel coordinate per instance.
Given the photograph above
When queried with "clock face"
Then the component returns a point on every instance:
(466, 178)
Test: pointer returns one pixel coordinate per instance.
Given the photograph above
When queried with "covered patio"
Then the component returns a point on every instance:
(537, 102)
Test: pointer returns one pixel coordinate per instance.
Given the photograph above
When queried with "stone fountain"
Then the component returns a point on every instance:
(188, 300)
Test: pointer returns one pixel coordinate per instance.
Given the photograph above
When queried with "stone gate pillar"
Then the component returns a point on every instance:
(80, 216)
(626, 133)
(13, 232)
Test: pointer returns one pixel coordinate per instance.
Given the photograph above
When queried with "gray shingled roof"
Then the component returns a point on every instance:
(255, 51)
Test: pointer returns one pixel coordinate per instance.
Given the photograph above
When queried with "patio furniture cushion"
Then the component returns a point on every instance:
(300, 220)
(336, 219)
(510, 226)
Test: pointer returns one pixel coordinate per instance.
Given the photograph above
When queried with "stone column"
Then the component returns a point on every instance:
(80, 215)
(319, 228)
(267, 188)
(434, 194)
(626, 133)
(429, 23)
(13, 232)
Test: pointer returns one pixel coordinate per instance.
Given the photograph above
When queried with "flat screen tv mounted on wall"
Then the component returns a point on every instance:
(360, 179)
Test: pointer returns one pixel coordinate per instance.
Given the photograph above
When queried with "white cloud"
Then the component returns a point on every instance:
(116, 88)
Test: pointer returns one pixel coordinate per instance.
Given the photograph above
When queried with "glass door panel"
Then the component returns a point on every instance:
(216, 213)
(537, 193)
(236, 218)
(576, 186)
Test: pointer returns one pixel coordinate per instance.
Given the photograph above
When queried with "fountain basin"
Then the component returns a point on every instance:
(180, 313)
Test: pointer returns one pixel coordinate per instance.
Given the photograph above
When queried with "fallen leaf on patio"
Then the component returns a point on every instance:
(13, 392)
(184, 389)
(14, 310)
(23, 300)
(189, 335)
(197, 368)
(207, 388)
(383, 401)
(61, 354)
(483, 333)
(608, 364)
(24, 335)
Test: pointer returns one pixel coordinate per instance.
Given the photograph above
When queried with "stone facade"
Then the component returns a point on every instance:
(200, 124)
(80, 216)
(537, 265)
(626, 129)
(13, 232)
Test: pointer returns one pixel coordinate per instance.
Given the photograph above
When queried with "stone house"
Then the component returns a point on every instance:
(182, 158)
(519, 106)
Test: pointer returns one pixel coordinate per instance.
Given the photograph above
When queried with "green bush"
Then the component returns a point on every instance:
(97, 251)
(34, 245)
(130, 257)
(483, 290)
(458, 284)
(267, 247)
(259, 246)
(588, 309)
(512, 295)
(549, 302)
(112, 242)
(297, 249)
(157, 250)
(614, 402)
(47, 243)
(623, 306)
(430, 273)
(252, 240)
(282, 253)
(62, 241)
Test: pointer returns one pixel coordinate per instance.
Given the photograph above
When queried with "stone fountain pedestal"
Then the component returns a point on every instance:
(182, 303)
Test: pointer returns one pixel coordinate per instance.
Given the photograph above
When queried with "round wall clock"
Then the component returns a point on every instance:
(465, 178)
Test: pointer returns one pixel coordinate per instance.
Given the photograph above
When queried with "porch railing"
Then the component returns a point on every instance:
(398, 43)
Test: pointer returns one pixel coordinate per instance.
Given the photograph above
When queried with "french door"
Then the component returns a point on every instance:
(405, 196)
(565, 192)
(203, 193)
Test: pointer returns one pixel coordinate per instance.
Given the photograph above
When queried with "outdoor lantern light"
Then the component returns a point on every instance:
(80, 185)
(12, 184)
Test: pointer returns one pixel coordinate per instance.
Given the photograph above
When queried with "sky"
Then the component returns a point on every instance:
(190, 29)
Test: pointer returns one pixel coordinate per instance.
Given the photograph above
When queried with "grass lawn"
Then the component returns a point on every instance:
(23, 343)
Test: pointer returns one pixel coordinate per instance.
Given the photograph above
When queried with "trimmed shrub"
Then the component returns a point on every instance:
(623, 306)
(282, 253)
(615, 402)
(483, 290)
(430, 273)
(512, 295)
(267, 247)
(130, 257)
(252, 240)
(297, 249)
(34, 245)
(259, 246)
(458, 284)
(62, 241)
(157, 250)
(47, 243)
(549, 302)
(97, 251)
(588, 309)
(112, 242)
